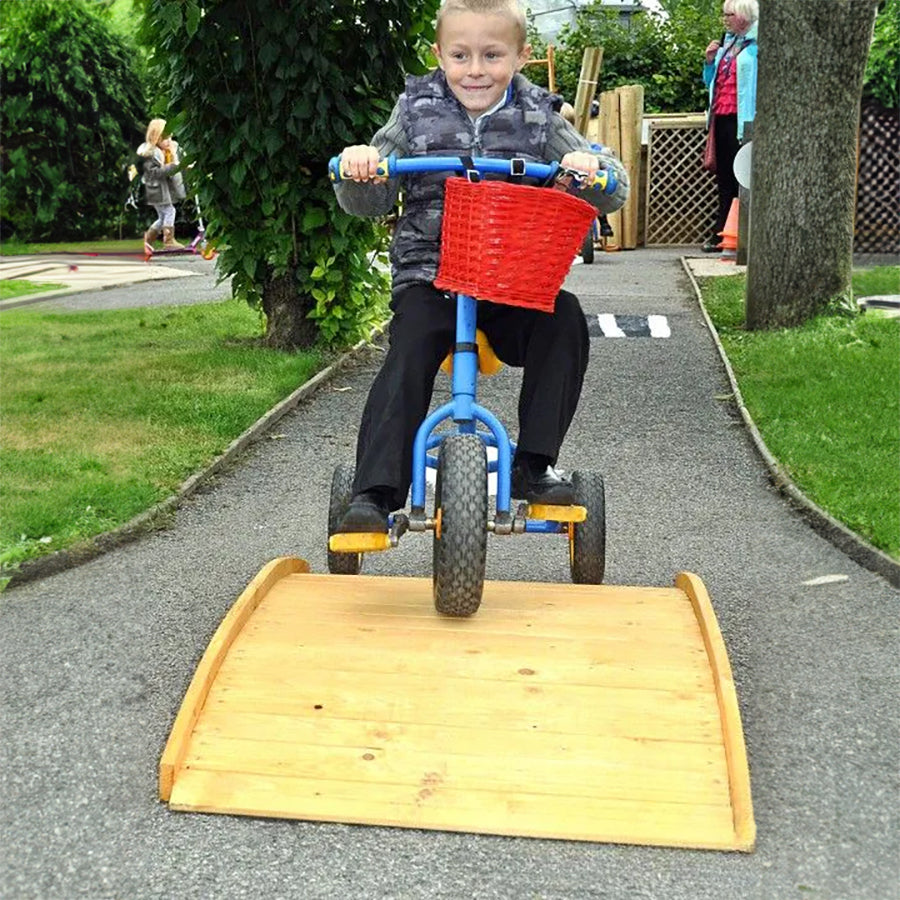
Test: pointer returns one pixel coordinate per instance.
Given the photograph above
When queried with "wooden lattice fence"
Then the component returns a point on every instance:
(681, 196)
(878, 183)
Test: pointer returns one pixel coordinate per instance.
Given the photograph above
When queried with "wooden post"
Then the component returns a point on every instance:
(631, 112)
(587, 86)
(551, 69)
(611, 136)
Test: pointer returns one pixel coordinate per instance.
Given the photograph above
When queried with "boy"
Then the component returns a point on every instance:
(475, 104)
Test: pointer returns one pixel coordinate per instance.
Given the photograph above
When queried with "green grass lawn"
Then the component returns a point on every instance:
(106, 413)
(14, 287)
(826, 400)
(877, 281)
(132, 245)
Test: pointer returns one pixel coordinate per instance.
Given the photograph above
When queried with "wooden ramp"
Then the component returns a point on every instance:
(560, 711)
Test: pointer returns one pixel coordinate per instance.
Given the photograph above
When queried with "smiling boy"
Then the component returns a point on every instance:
(475, 104)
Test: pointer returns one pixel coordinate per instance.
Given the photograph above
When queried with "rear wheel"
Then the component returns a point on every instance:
(587, 247)
(460, 536)
(587, 539)
(341, 494)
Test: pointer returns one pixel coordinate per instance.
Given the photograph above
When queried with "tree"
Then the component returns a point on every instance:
(812, 60)
(882, 82)
(262, 93)
(72, 105)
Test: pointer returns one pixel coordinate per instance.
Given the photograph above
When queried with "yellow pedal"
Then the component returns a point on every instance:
(359, 542)
(557, 513)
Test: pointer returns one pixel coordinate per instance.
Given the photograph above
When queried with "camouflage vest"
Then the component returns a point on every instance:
(436, 124)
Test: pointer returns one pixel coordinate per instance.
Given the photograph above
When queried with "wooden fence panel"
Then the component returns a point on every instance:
(878, 182)
(681, 194)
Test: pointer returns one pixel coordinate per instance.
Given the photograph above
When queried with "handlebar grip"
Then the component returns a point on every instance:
(335, 173)
(605, 181)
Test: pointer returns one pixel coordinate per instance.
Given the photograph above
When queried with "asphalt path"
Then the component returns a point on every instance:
(94, 661)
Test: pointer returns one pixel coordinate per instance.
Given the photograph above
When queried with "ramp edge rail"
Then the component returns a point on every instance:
(729, 711)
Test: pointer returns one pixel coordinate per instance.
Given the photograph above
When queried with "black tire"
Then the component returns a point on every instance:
(341, 494)
(460, 553)
(587, 540)
(587, 247)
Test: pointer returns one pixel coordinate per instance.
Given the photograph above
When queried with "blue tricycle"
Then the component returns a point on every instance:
(460, 519)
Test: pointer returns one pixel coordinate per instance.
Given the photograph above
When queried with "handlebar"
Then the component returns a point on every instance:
(392, 166)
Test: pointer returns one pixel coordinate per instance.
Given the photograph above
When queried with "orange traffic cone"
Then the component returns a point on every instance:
(729, 234)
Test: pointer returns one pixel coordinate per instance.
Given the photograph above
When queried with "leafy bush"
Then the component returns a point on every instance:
(882, 81)
(263, 93)
(72, 110)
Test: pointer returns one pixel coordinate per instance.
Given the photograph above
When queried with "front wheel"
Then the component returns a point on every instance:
(341, 494)
(587, 539)
(460, 537)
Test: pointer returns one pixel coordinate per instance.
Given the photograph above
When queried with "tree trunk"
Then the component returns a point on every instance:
(287, 325)
(812, 58)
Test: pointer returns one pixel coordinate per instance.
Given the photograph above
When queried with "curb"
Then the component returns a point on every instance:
(823, 523)
(157, 516)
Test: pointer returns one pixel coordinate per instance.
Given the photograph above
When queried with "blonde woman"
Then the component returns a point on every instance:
(729, 72)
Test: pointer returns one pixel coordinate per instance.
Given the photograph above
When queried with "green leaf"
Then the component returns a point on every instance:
(313, 217)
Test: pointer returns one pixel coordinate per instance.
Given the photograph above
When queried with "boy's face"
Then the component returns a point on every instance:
(479, 54)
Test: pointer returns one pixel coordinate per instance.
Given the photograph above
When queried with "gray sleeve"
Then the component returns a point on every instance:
(360, 199)
(563, 139)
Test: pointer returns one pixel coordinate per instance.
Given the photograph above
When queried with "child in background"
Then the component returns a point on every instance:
(478, 104)
(160, 190)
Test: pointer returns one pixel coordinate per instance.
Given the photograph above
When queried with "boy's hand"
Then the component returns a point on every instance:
(581, 160)
(360, 163)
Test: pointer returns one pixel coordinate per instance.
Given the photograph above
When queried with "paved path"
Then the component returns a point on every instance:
(108, 282)
(94, 661)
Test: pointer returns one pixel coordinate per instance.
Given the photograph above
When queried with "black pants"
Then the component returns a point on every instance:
(552, 348)
(727, 146)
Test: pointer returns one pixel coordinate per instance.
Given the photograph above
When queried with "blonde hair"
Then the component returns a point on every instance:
(746, 9)
(567, 111)
(155, 131)
(509, 8)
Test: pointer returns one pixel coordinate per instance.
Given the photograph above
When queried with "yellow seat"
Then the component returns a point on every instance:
(488, 363)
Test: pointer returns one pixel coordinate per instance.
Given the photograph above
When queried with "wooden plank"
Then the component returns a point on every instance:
(378, 735)
(651, 715)
(436, 807)
(565, 775)
(591, 60)
(611, 136)
(498, 595)
(511, 605)
(660, 654)
(212, 659)
(631, 109)
(572, 663)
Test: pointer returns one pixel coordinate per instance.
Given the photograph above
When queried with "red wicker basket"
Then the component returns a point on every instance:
(509, 243)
